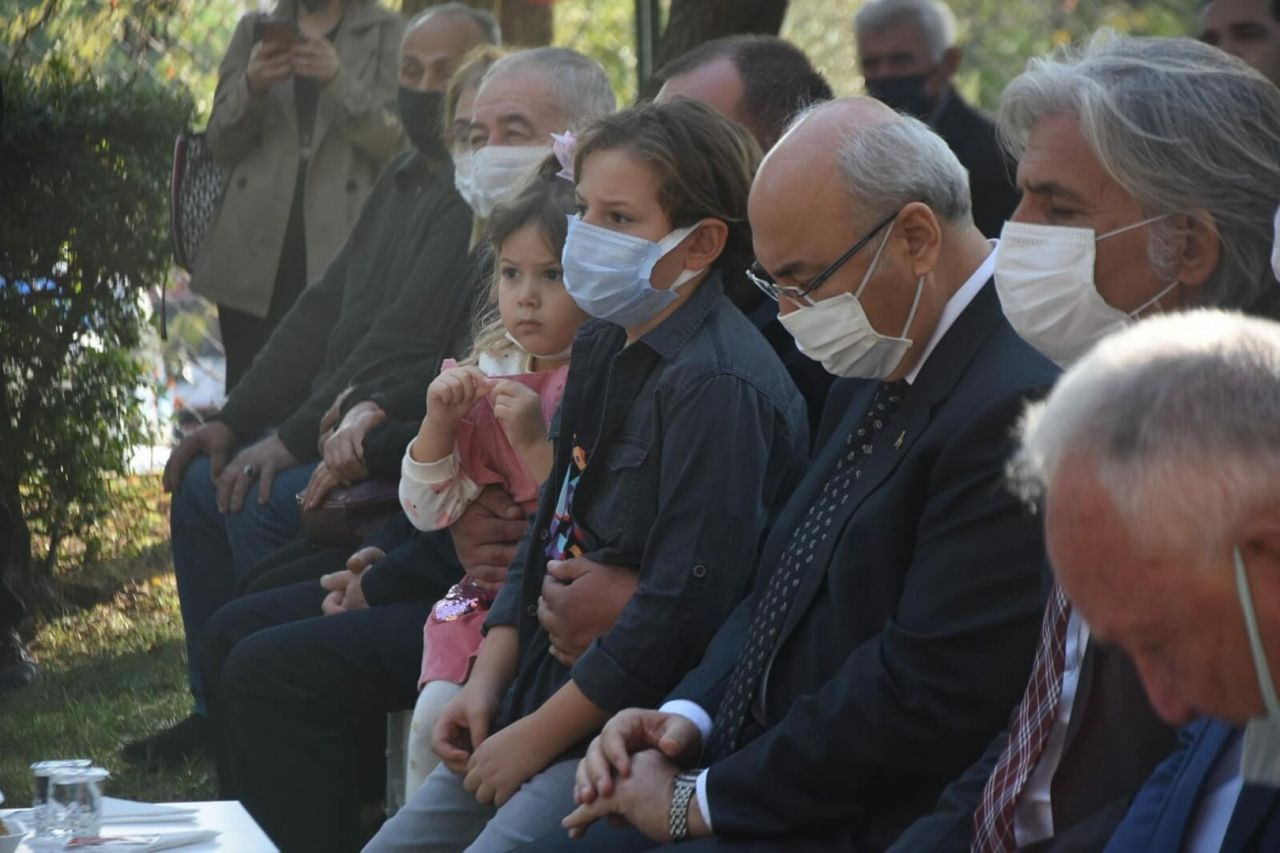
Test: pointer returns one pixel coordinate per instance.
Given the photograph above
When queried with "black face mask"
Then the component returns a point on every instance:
(905, 94)
(422, 114)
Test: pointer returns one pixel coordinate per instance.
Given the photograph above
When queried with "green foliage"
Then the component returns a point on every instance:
(178, 42)
(604, 31)
(84, 170)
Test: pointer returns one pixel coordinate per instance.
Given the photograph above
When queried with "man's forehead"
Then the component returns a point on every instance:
(900, 33)
(510, 95)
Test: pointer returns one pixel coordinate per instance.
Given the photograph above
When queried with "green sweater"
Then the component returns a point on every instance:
(394, 302)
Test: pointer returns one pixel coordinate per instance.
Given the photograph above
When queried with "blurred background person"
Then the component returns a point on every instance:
(304, 118)
(908, 53)
(1249, 29)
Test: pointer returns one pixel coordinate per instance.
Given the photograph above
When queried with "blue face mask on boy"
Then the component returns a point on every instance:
(607, 273)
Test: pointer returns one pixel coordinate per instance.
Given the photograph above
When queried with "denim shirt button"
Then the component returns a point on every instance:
(542, 534)
(699, 571)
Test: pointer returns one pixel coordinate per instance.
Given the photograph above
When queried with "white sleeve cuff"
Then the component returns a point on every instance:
(691, 711)
(700, 791)
(428, 472)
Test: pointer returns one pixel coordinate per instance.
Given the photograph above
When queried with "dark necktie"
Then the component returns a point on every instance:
(993, 820)
(806, 540)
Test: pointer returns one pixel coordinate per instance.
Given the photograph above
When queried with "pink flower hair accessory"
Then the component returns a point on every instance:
(563, 146)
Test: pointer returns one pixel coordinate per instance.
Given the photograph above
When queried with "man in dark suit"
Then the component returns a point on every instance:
(908, 54)
(1155, 461)
(895, 602)
(1195, 108)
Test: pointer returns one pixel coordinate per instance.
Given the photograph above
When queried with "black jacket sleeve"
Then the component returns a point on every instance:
(417, 566)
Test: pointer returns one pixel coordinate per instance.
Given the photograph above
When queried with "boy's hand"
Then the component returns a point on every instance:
(463, 725)
(504, 762)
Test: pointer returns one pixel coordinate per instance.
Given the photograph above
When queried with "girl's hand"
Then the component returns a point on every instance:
(519, 409)
(503, 763)
(316, 57)
(452, 394)
(268, 64)
(463, 725)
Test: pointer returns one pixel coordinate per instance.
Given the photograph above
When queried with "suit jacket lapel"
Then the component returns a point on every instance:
(944, 368)
(1184, 792)
(1255, 804)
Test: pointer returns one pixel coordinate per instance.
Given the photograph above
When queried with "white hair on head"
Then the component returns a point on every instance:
(579, 84)
(1181, 126)
(488, 25)
(1179, 414)
(891, 163)
(935, 19)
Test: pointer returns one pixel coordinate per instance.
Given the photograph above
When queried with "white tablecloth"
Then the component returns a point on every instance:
(239, 833)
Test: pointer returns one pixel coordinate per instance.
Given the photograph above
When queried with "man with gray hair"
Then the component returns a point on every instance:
(894, 612)
(908, 54)
(1150, 170)
(1156, 460)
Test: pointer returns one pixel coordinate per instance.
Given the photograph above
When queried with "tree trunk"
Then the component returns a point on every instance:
(693, 22)
(525, 23)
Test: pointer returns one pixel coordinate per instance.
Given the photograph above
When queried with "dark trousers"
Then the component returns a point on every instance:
(300, 707)
(604, 838)
(296, 562)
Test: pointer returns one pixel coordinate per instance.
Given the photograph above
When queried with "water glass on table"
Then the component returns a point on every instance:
(41, 773)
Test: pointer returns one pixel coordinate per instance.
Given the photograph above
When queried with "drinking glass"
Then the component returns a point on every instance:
(75, 800)
(41, 772)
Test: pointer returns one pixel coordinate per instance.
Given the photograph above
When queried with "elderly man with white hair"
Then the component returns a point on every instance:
(1157, 462)
(897, 594)
(1150, 170)
(908, 54)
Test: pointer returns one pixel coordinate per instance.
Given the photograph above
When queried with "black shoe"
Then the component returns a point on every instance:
(174, 745)
(17, 669)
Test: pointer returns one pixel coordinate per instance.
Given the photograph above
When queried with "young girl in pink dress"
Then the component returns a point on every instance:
(487, 420)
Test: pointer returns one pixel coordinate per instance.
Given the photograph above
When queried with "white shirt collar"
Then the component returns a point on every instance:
(955, 307)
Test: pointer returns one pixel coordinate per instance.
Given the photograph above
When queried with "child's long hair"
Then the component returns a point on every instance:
(545, 202)
(704, 164)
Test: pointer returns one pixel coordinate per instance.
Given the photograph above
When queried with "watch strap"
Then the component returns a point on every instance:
(685, 785)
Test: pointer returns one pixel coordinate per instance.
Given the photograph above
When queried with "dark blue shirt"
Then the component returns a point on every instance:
(693, 436)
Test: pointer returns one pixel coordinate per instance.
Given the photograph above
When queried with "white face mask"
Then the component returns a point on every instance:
(1275, 248)
(1044, 276)
(1261, 762)
(837, 333)
(464, 176)
(498, 172)
(607, 272)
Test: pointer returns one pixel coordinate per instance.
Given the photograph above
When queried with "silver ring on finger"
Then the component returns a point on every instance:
(251, 471)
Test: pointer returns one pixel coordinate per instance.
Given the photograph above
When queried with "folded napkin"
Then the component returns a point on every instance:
(141, 843)
(129, 811)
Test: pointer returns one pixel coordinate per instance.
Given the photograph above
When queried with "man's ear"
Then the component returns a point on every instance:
(919, 227)
(707, 244)
(950, 64)
(1199, 247)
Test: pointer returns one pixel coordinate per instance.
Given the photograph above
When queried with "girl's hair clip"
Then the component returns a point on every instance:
(563, 145)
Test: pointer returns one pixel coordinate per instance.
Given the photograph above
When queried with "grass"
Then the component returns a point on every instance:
(114, 664)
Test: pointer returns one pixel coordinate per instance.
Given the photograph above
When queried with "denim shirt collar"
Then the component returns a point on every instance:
(674, 332)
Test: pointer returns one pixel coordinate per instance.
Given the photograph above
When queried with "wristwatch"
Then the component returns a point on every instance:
(685, 785)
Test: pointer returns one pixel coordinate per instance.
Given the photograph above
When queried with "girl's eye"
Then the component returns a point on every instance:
(552, 273)
(510, 272)
(619, 218)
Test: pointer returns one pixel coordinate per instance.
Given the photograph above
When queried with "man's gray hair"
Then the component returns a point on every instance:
(1180, 414)
(891, 163)
(578, 83)
(935, 19)
(484, 21)
(1182, 127)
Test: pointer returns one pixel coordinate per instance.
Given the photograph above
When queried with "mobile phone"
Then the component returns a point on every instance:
(277, 31)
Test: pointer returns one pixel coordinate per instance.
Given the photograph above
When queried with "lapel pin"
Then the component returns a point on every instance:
(897, 445)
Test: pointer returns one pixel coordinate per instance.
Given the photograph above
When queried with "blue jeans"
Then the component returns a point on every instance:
(211, 550)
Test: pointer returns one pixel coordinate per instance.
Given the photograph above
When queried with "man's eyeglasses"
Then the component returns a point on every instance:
(761, 279)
